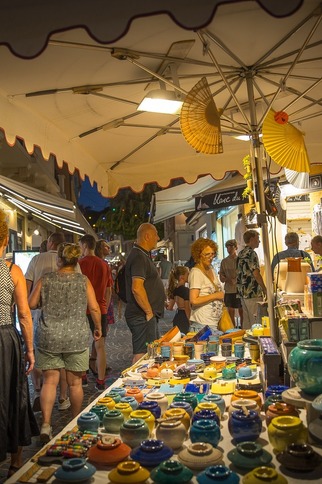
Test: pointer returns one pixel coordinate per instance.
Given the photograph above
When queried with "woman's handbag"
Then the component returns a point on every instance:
(225, 322)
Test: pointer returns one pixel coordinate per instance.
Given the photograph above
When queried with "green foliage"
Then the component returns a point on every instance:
(128, 210)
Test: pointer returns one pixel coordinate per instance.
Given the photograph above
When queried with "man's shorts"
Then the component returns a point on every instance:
(103, 324)
(70, 361)
(232, 301)
(143, 332)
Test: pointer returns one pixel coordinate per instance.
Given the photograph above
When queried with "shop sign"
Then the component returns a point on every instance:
(226, 198)
(299, 198)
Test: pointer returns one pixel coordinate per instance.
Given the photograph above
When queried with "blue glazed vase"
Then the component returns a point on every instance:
(131, 400)
(217, 474)
(152, 406)
(88, 421)
(189, 397)
(100, 411)
(304, 365)
(151, 453)
(206, 415)
(205, 431)
(218, 399)
(185, 405)
(244, 427)
(275, 390)
(120, 390)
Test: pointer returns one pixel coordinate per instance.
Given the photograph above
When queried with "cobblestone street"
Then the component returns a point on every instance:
(119, 357)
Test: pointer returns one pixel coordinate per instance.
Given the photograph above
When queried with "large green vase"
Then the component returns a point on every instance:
(305, 366)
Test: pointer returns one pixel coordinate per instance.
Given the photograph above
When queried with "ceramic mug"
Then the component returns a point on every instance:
(239, 349)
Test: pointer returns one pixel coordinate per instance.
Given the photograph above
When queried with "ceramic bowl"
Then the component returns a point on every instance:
(299, 457)
(200, 455)
(129, 472)
(108, 451)
(75, 470)
(248, 455)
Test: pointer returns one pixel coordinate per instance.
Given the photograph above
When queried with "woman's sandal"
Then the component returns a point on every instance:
(12, 470)
(93, 369)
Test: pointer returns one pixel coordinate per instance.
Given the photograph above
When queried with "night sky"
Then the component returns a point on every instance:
(90, 197)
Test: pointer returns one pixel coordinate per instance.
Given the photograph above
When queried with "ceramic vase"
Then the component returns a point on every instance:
(75, 470)
(244, 426)
(247, 395)
(125, 408)
(200, 455)
(248, 455)
(108, 451)
(171, 472)
(205, 431)
(136, 393)
(100, 411)
(283, 431)
(152, 406)
(185, 405)
(120, 390)
(275, 390)
(115, 396)
(186, 397)
(160, 398)
(172, 432)
(299, 457)
(107, 401)
(264, 475)
(145, 415)
(131, 400)
(129, 472)
(217, 399)
(112, 421)
(151, 453)
(218, 473)
(239, 404)
(304, 366)
(213, 407)
(88, 421)
(274, 398)
(133, 431)
(178, 414)
(206, 415)
(278, 410)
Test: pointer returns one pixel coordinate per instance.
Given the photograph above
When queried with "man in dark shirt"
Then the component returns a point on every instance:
(144, 291)
(97, 272)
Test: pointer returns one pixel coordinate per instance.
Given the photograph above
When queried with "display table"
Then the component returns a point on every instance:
(225, 444)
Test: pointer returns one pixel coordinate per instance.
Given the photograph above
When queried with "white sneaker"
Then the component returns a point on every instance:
(45, 433)
(64, 404)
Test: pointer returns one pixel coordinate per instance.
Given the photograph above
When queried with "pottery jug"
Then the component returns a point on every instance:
(304, 366)
(244, 426)
(264, 475)
(172, 432)
(133, 431)
(128, 472)
(100, 411)
(217, 399)
(136, 393)
(112, 421)
(205, 431)
(152, 406)
(178, 414)
(146, 415)
(200, 455)
(88, 421)
(160, 398)
(279, 409)
(286, 430)
(248, 395)
(125, 408)
(189, 397)
(185, 405)
(131, 400)
(107, 401)
(218, 473)
(208, 406)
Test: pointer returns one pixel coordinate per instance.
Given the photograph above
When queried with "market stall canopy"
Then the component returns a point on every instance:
(84, 67)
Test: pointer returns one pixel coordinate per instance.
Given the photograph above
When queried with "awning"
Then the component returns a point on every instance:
(44, 206)
(176, 200)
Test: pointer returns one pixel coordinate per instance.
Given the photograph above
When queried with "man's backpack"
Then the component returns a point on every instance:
(120, 284)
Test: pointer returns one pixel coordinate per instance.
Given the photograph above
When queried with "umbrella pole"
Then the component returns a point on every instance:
(262, 217)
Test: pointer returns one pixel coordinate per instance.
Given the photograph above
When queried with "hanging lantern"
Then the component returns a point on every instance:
(281, 117)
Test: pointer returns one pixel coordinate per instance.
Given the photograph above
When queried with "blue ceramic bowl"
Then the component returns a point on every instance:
(75, 470)
(151, 453)
(217, 474)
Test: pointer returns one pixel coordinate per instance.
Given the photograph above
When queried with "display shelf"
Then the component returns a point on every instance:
(225, 445)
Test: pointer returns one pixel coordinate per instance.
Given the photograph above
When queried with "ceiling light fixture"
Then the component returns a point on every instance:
(161, 101)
